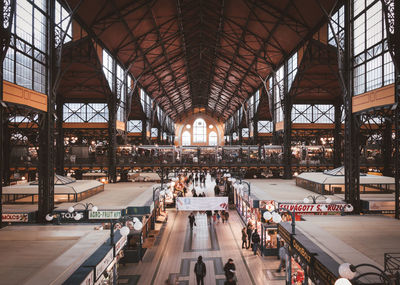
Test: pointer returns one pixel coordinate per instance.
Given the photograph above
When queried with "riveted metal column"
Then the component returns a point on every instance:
(337, 137)
(396, 47)
(352, 124)
(59, 136)
(112, 130)
(287, 130)
(387, 147)
(46, 128)
(6, 150)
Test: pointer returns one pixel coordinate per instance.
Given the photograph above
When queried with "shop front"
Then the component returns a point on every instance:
(101, 268)
(306, 263)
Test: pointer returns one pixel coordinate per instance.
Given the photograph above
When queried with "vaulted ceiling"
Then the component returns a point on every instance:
(191, 54)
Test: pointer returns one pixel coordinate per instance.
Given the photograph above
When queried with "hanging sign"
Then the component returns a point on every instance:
(202, 203)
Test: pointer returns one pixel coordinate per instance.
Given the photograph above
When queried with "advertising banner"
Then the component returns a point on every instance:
(313, 208)
(201, 203)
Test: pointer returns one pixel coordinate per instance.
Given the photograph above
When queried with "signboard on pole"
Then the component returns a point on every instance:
(202, 203)
(104, 215)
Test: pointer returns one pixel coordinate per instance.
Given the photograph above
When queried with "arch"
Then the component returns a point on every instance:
(213, 138)
(199, 131)
(186, 138)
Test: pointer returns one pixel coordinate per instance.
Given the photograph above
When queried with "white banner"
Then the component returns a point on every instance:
(201, 203)
(313, 208)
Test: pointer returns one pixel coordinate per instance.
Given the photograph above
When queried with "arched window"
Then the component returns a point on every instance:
(199, 131)
(213, 138)
(186, 138)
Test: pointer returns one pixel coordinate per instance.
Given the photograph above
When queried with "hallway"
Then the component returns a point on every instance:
(177, 249)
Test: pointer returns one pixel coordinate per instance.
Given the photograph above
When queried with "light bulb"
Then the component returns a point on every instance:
(95, 208)
(138, 226)
(124, 231)
(267, 216)
(346, 271)
(276, 218)
(71, 209)
(49, 217)
(306, 200)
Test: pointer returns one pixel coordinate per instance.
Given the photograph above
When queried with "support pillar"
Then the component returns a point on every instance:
(6, 151)
(352, 122)
(112, 140)
(387, 148)
(240, 136)
(337, 138)
(60, 149)
(46, 129)
(144, 132)
(396, 47)
(255, 131)
(287, 131)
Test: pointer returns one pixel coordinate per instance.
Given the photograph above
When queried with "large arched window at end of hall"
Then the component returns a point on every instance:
(213, 138)
(199, 131)
(186, 138)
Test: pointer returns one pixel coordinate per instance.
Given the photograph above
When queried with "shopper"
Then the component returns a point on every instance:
(192, 220)
(282, 257)
(244, 238)
(223, 216)
(230, 269)
(227, 216)
(218, 216)
(249, 231)
(200, 270)
(255, 238)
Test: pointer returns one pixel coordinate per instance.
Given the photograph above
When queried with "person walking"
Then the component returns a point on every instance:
(255, 238)
(244, 238)
(223, 216)
(227, 216)
(218, 216)
(200, 270)
(282, 257)
(230, 270)
(192, 220)
(249, 231)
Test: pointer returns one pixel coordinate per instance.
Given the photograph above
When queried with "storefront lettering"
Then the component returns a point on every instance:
(323, 273)
(283, 233)
(313, 208)
(19, 218)
(88, 280)
(99, 215)
(70, 216)
(301, 251)
(104, 263)
(120, 244)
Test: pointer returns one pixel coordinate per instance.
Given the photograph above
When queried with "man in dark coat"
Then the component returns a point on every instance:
(200, 270)
(255, 238)
(192, 220)
(229, 269)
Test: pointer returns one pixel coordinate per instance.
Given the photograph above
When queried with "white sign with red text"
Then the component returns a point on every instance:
(19, 218)
(313, 208)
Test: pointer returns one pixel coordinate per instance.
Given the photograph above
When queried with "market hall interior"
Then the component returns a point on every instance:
(182, 141)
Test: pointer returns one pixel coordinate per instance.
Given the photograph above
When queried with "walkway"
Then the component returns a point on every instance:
(179, 248)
